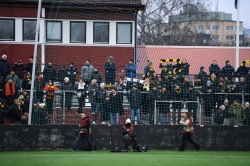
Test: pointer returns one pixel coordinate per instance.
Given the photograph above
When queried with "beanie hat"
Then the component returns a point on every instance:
(209, 82)
(110, 58)
(4, 56)
(102, 85)
(128, 121)
(62, 66)
(202, 67)
(66, 78)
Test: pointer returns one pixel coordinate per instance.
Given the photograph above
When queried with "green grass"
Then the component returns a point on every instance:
(106, 158)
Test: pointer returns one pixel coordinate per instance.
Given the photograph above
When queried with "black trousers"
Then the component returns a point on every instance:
(87, 139)
(127, 141)
(189, 137)
(49, 103)
(81, 102)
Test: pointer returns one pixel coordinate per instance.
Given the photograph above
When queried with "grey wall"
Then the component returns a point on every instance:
(21, 137)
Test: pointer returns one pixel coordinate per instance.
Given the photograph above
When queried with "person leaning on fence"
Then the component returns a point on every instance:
(247, 113)
(128, 132)
(86, 72)
(106, 108)
(92, 88)
(219, 115)
(15, 115)
(177, 98)
(188, 131)
(50, 94)
(134, 98)
(153, 95)
(237, 113)
(39, 85)
(208, 99)
(83, 132)
(68, 88)
(164, 108)
(99, 99)
(227, 116)
(81, 94)
(116, 100)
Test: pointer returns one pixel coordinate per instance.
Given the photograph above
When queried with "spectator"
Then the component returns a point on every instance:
(110, 67)
(49, 73)
(174, 81)
(237, 113)
(228, 71)
(131, 69)
(116, 100)
(15, 115)
(240, 88)
(165, 82)
(146, 75)
(145, 87)
(92, 88)
(164, 108)
(18, 69)
(170, 69)
(120, 85)
(86, 72)
(4, 66)
(154, 81)
(2, 83)
(67, 87)
(149, 68)
(29, 66)
(39, 114)
(134, 98)
(247, 113)
(99, 99)
(97, 76)
(226, 114)
(230, 90)
(219, 115)
(242, 70)
(81, 94)
(208, 99)
(24, 119)
(220, 89)
(40, 84)
(192, 105)
(14, 77)
(184, 67)
(214, 80)
(50, 94)
(23, 98)
(185, 84)
(247, 77)
(153, 95)
(203, 76)
(10, 92)
(214, 69)
(62, 73)
(71, 73)
(106, 108)
(27, 82)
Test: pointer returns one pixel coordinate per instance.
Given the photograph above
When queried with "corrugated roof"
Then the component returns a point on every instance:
(196, 56)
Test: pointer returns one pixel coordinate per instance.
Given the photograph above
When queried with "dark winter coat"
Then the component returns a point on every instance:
(49, 73)
(2, 82)
(214, 69)
(18, 69)
(134, 98)
(228, 71)
(203, 76)
(61, 75)
(242, 71)
(219, 117)
(230, 96)
(4, 67)
(71, 74)
(247, 79)
(131, 71)
(185, 69)
(26, 83)
(220, 98)
(226, 114)
(96, 75)
(154, 81)
(164, 106)
(240, 87)
(86, 72)
(100, 95)
(106, 109)
(116, 102)
(10, 98)
(110, 70)
(152, 96)
(208, 96)
(185, 86)
(247, 120)
(166, 83)
(15, 115)
(29, 67)
(92, 91)
(192, 95)
(39, 85)
(68, 95)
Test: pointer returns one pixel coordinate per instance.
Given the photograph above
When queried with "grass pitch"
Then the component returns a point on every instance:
(106, 158)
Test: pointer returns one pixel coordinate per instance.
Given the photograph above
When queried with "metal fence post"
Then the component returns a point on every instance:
(155, 113)
(63, 119)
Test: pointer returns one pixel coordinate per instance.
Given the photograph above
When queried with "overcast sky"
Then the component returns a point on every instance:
(227, 6)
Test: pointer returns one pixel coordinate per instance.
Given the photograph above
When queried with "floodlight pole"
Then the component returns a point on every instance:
(237, 36)
(34, 62)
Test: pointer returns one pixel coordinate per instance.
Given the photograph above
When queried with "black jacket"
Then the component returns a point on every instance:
(228, 71)
(208, 96)
(134, 98)
(18, 69)
(219, 117)
(116, 102)
(192, 95)
(71, 74)
(26, 83)
(164, 106)
(177, 95)
(61, 75)
(203, 76)
(100, 95)
(96, 75)
(49, 73)
(4, 67)
(15, 114)
(214, 69)
(242, 71)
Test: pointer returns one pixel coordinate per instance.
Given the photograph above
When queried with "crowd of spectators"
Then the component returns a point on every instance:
(219, 94)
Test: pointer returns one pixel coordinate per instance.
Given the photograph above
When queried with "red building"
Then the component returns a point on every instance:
(70, 32)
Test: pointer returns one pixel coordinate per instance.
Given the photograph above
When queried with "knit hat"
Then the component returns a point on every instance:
(202, 67)
(131, 60)
(4, 56)
(227, 61)
(66, 78)
(209, 82)
(41, 104)
(134, 85)
(110, 58)
(28, 73)
(62, 66)
(128, 121)
(149, 62)
(102, 85)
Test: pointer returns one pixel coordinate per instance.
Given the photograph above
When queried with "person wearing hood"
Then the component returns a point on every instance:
(129, 135)
(96, 75)
(228, 71)
(237, 113)
(71, 73)
(4, 66)
(87, 71)
(49, 72)
(131, 69)
(19, 68)
(62, 73)
(242, 70)
(14, 77)
(203, 76)
(214, 68)
(83, 132)
(110, 68)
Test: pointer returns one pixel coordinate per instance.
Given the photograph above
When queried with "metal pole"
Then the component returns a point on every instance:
(63, 120)
(155, 113)
(237, 36)
(34, 62)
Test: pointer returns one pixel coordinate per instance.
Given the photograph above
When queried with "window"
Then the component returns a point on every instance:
(54, 31)
(7, 29)
(101, 32)
(230, 28)
(215, 37)
(123, 33)
(29, 30)
(78, 32)
(230, 37)
(198, 27)
(215, 27)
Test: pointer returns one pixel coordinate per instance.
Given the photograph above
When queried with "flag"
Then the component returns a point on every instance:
(235, 4)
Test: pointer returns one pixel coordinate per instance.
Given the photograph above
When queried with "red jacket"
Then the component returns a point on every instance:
(85, 126)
